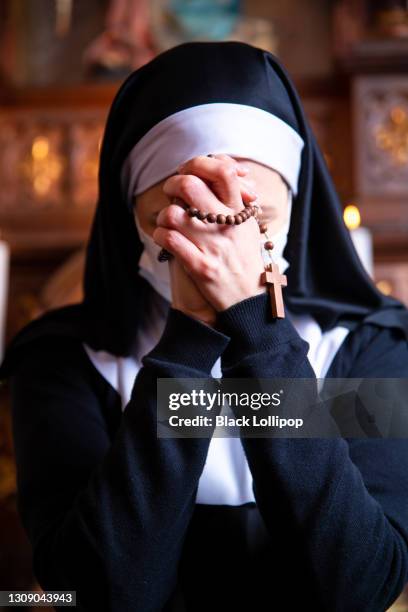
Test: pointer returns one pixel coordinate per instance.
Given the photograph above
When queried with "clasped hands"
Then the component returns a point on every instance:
(214, 266)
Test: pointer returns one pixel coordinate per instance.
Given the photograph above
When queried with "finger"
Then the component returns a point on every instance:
(187, 253)
(222, 176)
(172, 216)
(186, 191)
(248, 194)
(175, 218)
(248, 185)
(195, 193)
(242, 169)
(248, 190)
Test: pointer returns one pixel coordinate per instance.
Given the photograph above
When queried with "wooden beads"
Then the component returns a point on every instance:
(250, 210)
(164, 255)
(268, 246)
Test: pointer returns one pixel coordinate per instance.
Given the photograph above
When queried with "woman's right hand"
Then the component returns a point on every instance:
(186, 296)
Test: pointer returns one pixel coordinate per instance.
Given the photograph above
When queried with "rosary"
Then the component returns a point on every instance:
(271, 276)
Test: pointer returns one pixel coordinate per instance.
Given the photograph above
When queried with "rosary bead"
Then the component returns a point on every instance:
(243, 214)
(230, 220)
(221, 219)
(268, 246)
(211, 217)
(238, 219)
(193, 212)
(164, 255)
(263, 228)
(201, 215)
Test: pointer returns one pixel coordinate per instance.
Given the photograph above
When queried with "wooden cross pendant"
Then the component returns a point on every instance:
(275, 281)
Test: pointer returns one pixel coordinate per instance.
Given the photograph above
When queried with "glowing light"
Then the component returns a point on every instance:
(41, 185)
(384, 286)
(40, 148)
(352, 217)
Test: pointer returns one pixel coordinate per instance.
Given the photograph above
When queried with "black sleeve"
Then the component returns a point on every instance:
(107, 517)
(341, 506)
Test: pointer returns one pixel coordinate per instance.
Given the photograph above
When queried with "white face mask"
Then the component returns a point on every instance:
(279, 240)
(157, 273)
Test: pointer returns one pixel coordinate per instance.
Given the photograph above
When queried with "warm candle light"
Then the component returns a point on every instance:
(361, 236)
(43, 165)
(352, 217)
(384, 286)
(40, 148)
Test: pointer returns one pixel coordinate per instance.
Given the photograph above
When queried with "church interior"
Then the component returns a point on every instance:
(61, 64)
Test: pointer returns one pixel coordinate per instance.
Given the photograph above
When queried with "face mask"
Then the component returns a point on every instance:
(279, 240)
(155, 272)
(158, 274)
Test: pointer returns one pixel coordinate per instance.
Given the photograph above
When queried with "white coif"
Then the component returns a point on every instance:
(233, 129)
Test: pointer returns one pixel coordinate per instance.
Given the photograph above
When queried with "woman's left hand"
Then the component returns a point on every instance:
(224, 261)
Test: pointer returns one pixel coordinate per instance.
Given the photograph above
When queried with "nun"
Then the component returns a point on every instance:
(208, 165)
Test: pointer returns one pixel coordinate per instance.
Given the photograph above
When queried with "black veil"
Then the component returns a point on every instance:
(325, 276)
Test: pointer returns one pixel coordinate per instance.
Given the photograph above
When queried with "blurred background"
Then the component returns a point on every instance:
(61, 63)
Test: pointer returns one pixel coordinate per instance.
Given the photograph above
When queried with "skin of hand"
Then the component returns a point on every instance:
(215, 266)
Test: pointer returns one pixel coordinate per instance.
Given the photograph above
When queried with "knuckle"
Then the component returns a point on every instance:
(158, 235)
(188, 186)
(165, 217)
(172, 214)
(216, 250)
(196, 162)
(170, 240)
(227, 172)
(208, 271)
(169, 184)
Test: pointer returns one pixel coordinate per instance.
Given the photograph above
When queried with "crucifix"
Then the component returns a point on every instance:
(275, 281)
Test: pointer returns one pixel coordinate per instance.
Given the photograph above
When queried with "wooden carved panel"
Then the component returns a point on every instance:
(380, 108)
(381, 112)
(48, 171)
(48, 159)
